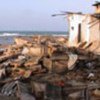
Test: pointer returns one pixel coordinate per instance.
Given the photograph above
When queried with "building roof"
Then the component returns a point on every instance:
(97, 3)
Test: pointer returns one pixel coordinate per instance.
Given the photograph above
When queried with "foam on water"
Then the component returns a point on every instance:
(9, 34)
(31, 33)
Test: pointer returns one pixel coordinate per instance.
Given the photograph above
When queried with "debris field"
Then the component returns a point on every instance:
(44, 68)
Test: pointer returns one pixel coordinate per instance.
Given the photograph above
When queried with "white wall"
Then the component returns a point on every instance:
(86, 29)
(74, 21)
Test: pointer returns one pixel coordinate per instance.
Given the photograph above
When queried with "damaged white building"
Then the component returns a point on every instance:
(84, 27)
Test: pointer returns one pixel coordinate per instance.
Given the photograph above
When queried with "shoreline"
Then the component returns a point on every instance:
(31, 33)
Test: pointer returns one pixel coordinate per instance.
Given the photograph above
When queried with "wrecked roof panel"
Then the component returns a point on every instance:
(97, 3)
(96, 15)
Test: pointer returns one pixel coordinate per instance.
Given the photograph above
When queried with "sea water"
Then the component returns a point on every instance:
(7, 37)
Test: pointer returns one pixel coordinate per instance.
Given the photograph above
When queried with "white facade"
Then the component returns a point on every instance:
(85, 28)
(74, 21)
(80, 29)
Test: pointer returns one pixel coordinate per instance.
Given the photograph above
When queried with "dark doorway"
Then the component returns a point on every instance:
(79, 33)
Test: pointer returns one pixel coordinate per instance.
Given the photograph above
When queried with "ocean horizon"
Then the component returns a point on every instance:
(30, 33)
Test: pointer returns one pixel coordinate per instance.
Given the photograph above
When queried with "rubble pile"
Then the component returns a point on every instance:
(44, 68)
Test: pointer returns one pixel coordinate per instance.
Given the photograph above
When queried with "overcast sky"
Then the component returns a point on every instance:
(36, 14)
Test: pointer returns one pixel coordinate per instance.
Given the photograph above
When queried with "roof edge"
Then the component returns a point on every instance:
(96, 4)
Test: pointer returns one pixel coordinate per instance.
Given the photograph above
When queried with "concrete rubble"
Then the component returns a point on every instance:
(44, 68)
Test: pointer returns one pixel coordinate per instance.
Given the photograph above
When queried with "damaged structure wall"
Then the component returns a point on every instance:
(75, 21)
(94, 30)
(85, 28)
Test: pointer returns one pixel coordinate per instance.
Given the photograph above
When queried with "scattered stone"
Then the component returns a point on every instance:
(32, 61)
(91, 75)
(72, 61)
(38, 88)
(47, 63)
(76, 95)
(25, 50)
(36, 51)
(43, 60)
(96, 92)
(60, 66)
(27, 74)
(2, 73)
(26, 96)
(19, 41)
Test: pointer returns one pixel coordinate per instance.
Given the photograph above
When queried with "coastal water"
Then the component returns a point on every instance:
(6, 37)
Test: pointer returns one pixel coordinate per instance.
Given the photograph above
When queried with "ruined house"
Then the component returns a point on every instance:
(85, 27)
